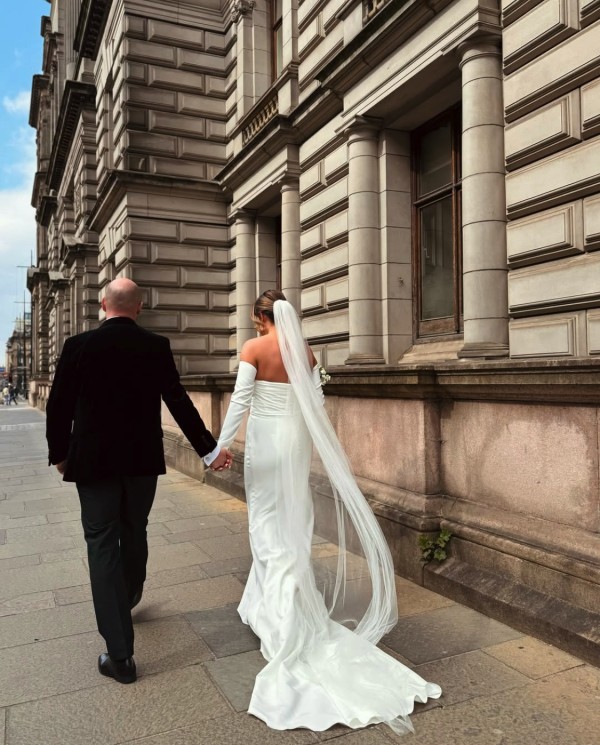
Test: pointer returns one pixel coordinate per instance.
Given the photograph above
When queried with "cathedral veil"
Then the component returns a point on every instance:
(353, 570)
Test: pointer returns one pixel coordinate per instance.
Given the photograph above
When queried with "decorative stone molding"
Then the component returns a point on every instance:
(593, 332)
(39, 85)
(75, 97)
(259, 121)
(563, 177)
(372, 7)
(570, 284)
(543, 28)
(514, 9)
(46, 209)
(546, 235)
(241, 8)
(556, 335)
(563, 68)
(544, 131)
(590, 11)
(92, 20)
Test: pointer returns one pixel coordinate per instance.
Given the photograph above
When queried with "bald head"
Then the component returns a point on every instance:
(122, 297)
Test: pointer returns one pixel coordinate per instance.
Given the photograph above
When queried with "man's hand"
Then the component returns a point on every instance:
(60, 467)
(223, 460)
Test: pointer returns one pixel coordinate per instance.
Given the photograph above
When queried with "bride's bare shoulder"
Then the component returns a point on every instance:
(250, 351)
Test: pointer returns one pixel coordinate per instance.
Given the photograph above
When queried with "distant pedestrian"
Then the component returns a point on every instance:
(12, 395)
(6, 395)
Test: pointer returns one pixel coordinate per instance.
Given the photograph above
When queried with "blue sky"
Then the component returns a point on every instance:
(20, 59)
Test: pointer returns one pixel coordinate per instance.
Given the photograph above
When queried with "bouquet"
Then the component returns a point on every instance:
(324, 375)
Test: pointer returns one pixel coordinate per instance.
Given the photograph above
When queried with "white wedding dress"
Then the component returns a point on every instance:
(319, 671)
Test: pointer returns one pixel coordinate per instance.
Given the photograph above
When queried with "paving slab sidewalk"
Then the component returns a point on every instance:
(197, 661)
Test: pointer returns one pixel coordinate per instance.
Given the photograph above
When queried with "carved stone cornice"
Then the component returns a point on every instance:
(39, 182)
(35, 275)
(46, 209)
(50, 43)
(371, 7)
(260, 117)
(92, 20)
(76, 97)
(72, 248)
(241, 8)
(39, 84)
(118, 184)
(386, 30)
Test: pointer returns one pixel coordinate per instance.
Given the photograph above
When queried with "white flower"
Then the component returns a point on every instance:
(323, 374)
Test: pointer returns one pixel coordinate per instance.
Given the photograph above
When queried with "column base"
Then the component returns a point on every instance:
(364, 359)
(483, 350)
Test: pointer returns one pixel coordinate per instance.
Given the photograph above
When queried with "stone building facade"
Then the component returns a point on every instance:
(18, 355)
(422, 179)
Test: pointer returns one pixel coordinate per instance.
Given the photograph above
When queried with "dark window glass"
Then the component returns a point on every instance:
(277, 38)
(438, 226)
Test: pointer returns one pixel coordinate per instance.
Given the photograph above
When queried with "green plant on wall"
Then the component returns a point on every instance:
(434, 547)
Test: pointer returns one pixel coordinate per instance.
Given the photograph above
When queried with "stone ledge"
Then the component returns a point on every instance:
(554, 381)
(567, 626)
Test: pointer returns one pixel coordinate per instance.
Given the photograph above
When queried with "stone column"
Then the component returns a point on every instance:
(290, 242)
(485, 294)
(241, 14)
(364, 254)
(71, 11)
(245, 272)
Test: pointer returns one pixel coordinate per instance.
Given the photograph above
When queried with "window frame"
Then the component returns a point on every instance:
(276, 29)
(449, 325)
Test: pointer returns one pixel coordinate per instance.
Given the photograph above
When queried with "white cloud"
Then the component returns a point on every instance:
(17, 232)
(19, 104)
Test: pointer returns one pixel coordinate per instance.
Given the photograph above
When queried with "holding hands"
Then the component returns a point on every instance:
(223, 460)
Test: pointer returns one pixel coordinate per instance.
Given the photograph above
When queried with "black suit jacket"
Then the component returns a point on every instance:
(104, 409)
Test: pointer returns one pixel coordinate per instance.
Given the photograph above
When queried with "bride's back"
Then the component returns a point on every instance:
(263, 352)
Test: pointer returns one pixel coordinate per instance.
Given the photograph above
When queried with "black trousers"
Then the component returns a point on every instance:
(114, 515)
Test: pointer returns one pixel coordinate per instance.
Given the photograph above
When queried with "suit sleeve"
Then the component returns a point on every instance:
(181, 407)
(60, 408)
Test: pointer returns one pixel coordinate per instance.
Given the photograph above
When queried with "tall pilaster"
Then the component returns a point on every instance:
(245, 272)
(290, 242)
(485, 294)
(242, 15)
(364, 252)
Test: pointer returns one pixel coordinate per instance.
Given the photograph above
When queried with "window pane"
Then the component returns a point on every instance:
(435, 160)
(437, 272)
(278, 51)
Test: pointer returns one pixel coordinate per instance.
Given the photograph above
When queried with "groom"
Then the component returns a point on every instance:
(104, 432)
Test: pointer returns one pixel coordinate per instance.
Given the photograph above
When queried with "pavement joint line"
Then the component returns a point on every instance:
(197, 494)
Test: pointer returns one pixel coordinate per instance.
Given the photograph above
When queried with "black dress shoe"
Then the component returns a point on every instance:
(136, 597)
(122, 671)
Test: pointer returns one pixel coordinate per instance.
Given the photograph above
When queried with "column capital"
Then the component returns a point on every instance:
(362, 128)
(243, 216)
(479, 46)
(289, 183)
(241, 8)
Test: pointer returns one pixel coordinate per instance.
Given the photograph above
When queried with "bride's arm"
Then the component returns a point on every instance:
(239, 404)
(316, 376)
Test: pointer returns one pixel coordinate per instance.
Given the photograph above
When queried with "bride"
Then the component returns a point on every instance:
(319, 607)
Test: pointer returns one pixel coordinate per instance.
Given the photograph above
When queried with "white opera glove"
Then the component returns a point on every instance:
(316, 376)
(239, 404)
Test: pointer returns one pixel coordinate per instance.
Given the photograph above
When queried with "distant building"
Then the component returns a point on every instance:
(18, 355)
(423, 181)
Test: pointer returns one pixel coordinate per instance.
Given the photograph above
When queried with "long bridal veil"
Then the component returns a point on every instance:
(352, 568)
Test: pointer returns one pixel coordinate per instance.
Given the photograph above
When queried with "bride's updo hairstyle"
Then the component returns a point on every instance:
(264, 304)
